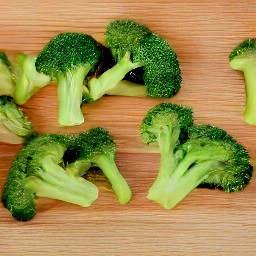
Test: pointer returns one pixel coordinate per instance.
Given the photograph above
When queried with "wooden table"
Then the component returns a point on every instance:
(207, 222)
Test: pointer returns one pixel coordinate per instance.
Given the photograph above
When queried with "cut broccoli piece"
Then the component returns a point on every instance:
(203, 154)
(243, 58)
(15, 126)
(134, 47)
(67, 59)
(27, 80)
(7, 86)
(98, 149)
(36, 172)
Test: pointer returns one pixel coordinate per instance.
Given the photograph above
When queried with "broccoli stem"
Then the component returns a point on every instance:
(99, 86)
(28, 80)
(127, 88)
(173, 190)
(250, 88)
(78, 168)
(53, 182)
(118, 183)
(70, 88)
(189, 173)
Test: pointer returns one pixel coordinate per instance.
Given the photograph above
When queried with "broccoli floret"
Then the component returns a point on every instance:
(15, 126)
(67, 59)
(7, 86)
(203, 154)
(27, 80)
(243, 58)
(98, 149)
(37, 172)
(134, 46)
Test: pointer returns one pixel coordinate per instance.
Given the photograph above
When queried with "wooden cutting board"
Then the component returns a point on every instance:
(207, 222)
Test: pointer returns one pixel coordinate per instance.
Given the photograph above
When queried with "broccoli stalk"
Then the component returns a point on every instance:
(36, 172)
(242, 58)
(191, 155)
(179, 180)
(98, 86)
(67, 59)
(52, 181)
(128, 88)
(70, 89)
(7, 86)
(28, 80)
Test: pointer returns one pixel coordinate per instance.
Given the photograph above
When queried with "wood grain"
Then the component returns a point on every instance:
(207, 222)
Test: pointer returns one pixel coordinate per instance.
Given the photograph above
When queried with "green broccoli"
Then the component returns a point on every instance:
(7, 86)
(15, 126)
(37, 172)
(243, 58)
(134, 46)
(98, 149)
(27, 80)
(67, 59)
(203, 154)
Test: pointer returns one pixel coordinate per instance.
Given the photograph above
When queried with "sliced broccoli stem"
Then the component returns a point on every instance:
(99, 86)
(250, 88)
(119, 184)
(70, 88)
(53, 182)
(127, 88)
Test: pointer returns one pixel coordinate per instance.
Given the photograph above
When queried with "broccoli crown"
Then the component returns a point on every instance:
(122, 35)
(96, 141)
(13, 118)
(244, 49)
(36, 172)
(165, 115)
(162, 74)
(234, 171)
(66, 52)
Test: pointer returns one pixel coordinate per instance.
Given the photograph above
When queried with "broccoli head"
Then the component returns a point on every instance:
(37, 172)
(67, 59)
(15, 126)
(7, 86)
(243, 58)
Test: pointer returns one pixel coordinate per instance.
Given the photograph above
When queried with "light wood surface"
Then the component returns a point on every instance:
(207, 222)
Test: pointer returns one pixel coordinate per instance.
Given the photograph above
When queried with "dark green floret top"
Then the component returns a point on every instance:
(244, 49)
(65, 52)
